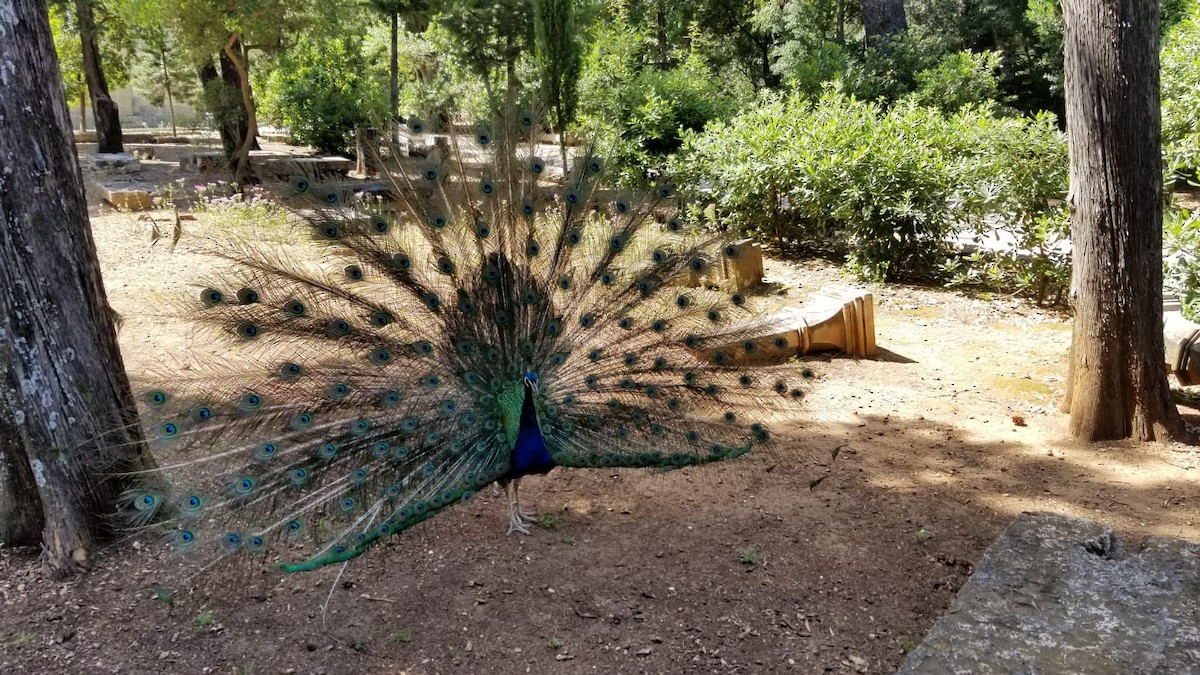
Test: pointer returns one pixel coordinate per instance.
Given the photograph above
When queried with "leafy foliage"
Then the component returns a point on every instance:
(112, 38)
(1181, 96)
(958, 80)
(890, 185)
(1181, 259)
(322, 91)
(643, 112)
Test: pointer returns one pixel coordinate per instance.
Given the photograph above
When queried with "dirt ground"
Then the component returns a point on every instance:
(834, 554)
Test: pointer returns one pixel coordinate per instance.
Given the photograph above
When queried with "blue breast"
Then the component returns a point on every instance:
(529, 454)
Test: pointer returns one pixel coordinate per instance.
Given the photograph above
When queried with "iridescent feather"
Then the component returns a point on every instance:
(381, 380)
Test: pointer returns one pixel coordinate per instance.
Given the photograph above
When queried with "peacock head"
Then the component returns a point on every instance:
(531, 381)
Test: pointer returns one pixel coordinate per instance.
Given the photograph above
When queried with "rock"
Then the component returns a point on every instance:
(118, 162)
(317, 167)
(1056, 594)
(204, 161)
(129, 195)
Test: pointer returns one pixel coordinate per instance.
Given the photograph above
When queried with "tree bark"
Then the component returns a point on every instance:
(64, 397)
(882, 18)
(841, 22)
(1117, 385)
(82, 107)
(162, 57)
(104, 109)
(20, 507)
(242, 171)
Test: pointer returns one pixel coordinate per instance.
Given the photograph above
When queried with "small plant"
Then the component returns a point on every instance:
(906, 646)
(547, 521)
(358, 646)
(202, 622)
(245, 670)
(748, 556)
(555, 643)
(163, 595)
(23, 639)
(403, 637)
(568, 539)
(922, 535)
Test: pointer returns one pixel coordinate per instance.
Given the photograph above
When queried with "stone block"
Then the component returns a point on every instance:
(129, 195)
(114, 162)
(745, 269)
(1057, 594)
(318, 167)
(204, 162)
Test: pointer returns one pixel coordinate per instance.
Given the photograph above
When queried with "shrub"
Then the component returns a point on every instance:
(1181, 96)
(1014, 180)
(639, 112)
(887, 70)
(958, 80)
(799, 171)
(322, 90)
(1181, 259)
(891, 186)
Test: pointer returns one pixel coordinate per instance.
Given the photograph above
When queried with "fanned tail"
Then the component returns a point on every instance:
(361, 395)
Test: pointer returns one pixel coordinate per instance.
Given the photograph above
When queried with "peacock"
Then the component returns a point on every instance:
(485, 317)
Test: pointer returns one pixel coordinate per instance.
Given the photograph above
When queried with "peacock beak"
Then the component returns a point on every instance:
(531, 381)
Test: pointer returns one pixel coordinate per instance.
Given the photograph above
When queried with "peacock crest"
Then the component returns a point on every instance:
(480, 322)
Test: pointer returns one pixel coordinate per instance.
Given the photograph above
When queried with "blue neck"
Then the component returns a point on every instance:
(529, 454)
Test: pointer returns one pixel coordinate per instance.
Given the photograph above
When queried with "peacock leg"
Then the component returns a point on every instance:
(527, 516)
(515, 522)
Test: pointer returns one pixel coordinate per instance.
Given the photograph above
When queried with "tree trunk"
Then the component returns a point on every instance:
(841, 22)
(882, 18)
(104, 109)
(395, 67)
(82, 105)
(162, 53)
(64, 397)
(242, 171)
(20, 507)
(1117, 385)
(210, 82)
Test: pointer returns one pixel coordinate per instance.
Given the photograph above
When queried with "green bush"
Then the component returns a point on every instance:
(890, 185)
(958, 80)
(1181, 259)
(640, 112)
(887, 70)
(1014, 180)
(800, 171)
(1181, 96)
(322, 90)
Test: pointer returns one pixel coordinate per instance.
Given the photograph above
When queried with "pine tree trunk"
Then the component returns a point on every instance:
(104, 109)
(882, 18)
(64, 397)
(1117, 385)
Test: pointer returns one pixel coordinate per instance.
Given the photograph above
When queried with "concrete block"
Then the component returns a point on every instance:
(1058, 594)
(129, 195)
(114, 162)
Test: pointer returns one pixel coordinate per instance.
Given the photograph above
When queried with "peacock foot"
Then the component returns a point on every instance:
(516, 523)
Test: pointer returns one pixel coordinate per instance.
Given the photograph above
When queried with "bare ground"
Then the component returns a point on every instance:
(834, 554)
